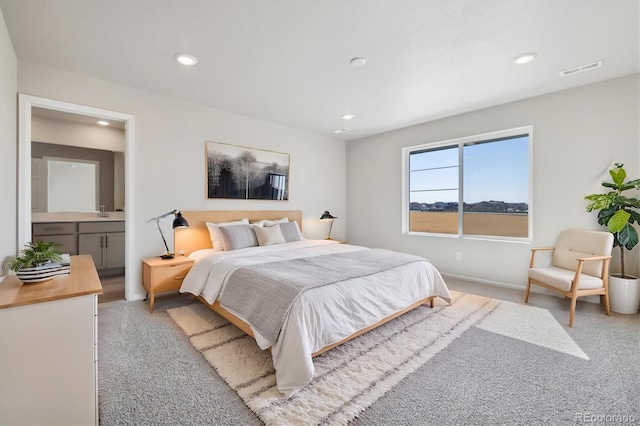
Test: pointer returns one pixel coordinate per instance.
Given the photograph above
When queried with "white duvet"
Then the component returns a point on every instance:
(320, 316)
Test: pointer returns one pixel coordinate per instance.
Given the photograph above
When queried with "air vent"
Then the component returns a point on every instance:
(582, 68)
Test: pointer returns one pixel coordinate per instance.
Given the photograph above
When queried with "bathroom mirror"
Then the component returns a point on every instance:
(72, 185)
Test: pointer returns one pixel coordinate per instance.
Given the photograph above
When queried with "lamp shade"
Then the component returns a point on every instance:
(179, 221)
(327, 215)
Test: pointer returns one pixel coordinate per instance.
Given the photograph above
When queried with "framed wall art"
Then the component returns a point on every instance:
(239, 172)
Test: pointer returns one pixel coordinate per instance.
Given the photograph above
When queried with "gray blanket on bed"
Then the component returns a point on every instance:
(263, 293)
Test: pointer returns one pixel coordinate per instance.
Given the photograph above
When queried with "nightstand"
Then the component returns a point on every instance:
(160, 275)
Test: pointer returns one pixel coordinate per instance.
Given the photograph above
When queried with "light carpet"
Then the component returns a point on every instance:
(532, 325)
(348, 379)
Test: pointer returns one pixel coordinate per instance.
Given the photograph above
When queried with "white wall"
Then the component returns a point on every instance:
(118, 180)
(62, 132)
(577, 135)
(169, 154)
(8, 144)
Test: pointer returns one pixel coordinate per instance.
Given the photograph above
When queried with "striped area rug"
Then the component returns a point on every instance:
(349, 378)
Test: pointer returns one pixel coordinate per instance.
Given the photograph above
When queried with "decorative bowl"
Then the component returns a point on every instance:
(41, 273)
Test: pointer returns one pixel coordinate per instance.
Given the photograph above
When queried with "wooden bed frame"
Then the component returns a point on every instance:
(196, 237)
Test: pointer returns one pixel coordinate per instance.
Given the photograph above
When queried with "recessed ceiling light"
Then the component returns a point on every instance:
(103, 123)
(358, 62)
(185, 59)
(344, 129)
(525, 58)
(348, 116)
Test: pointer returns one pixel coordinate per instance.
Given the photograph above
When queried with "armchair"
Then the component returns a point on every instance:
(579, 267)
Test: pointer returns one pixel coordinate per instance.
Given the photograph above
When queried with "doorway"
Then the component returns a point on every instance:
(26, 105)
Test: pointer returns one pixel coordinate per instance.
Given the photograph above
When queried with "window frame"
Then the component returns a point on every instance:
(460, 143)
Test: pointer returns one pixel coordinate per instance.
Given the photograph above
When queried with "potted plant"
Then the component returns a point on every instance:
(618, 213)
(37, 262)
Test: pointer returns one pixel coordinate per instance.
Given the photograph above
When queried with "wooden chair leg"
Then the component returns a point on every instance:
(526, 294)
(572, 311)
(606, 303)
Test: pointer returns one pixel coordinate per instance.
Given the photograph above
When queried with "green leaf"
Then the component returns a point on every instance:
(600, 201)
(627, 202)
(605, 214)
(618, 221)
(632, 184)
(628, 237)
(618, 175)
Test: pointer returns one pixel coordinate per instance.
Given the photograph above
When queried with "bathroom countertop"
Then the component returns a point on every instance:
(75, 217)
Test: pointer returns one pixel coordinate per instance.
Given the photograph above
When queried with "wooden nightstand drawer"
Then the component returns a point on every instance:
(169, 277)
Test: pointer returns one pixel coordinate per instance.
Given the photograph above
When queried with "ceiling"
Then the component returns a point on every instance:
(288, 62)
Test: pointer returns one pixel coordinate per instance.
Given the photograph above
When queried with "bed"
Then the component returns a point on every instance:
(346, 291)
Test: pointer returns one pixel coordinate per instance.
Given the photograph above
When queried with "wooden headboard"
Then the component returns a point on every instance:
(196, 237)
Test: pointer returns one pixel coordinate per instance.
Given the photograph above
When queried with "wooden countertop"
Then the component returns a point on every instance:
(82, 280)
(75, 217)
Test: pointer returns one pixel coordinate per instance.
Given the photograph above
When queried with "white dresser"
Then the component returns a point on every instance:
(48, 348)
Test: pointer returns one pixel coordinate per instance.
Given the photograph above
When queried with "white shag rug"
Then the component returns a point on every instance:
(349, 378)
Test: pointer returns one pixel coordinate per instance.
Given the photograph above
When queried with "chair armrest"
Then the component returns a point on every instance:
(581, 260)
(543, 248)
(535, 250)
(594, 258)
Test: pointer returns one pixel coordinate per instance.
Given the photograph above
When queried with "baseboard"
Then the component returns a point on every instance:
(534, 289)
(138, 296)
(482, 281)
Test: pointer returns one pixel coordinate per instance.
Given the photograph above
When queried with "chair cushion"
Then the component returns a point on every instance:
(574, 243)
(561, 278)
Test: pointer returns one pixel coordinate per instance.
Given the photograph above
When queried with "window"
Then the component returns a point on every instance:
(476, 186)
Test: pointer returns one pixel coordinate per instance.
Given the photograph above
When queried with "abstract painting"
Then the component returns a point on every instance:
(239, 172)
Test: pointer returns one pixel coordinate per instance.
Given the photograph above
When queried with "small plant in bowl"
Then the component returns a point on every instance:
(38, 261)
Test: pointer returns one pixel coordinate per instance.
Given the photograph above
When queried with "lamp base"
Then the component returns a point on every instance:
(167, 256)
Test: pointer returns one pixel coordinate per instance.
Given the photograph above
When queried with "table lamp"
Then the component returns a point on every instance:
(327, 216)
(178, 222)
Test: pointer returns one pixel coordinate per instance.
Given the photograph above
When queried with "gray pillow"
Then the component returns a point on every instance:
(238, 237)
(290, 231)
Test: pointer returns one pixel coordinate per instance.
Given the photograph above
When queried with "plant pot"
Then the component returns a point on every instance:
(40, 274)
(624, 294)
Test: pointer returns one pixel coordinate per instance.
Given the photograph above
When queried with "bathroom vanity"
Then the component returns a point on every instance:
(84, 233)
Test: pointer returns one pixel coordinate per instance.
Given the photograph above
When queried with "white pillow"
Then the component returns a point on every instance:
(268, 235)
(291, 231)
(266, 222)
(216, 236)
